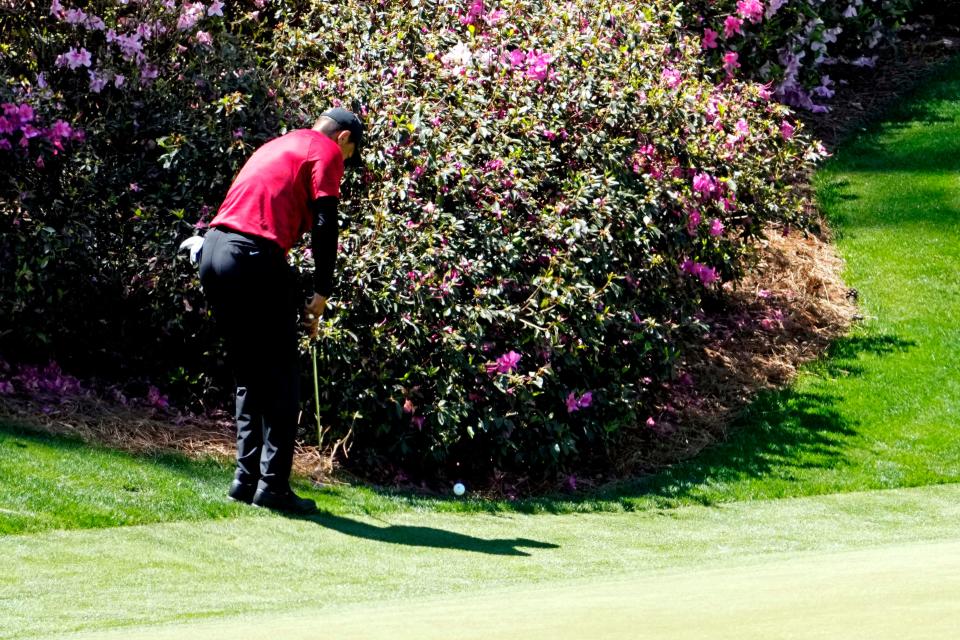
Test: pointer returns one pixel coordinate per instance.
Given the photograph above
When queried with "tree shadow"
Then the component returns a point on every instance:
(877, 147)
(426, 536)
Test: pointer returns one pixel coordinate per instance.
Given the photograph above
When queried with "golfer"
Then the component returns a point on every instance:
(289, 186)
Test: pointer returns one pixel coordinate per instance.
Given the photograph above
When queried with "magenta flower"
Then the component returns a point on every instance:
(693, 221)
(751, 10)
(732, 26)
(575, 403)
(516, 58)
(651, 422)
(475, 11)
(538, 65)
(710, 39)
(6, 387)
(731, 62)
(786, 130)
(672, 77)
(707, 275)
(508, 362)
(417, 421)
(716, 227)
(155, 399)
(705, 184)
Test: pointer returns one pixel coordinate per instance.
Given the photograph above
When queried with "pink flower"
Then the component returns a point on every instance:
(508, 362)
(75, 16)
(118, 80)
(155, 399)
(693, 221)
(74, 58)
(786, 130)
(751, 10)
(408, 406)
(716, 227)
(731, 26)
(651, 422)
(190, 14)
(495, 17)
(575, 404)
(742, 127)
(537, 65)
(204, 38)
(707, 275)
(705, 184)
(731, 62)
(215, 9)
(710, 39)
(98, 80)
(672, 77)
(516, 58)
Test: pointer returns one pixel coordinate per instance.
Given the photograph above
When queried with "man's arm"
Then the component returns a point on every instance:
(325, 237)
(326, 232)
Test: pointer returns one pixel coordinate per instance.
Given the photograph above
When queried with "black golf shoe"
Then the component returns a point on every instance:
(286, 501)
(241, 491)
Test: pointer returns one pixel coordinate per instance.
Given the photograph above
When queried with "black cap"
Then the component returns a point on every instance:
(349, 121)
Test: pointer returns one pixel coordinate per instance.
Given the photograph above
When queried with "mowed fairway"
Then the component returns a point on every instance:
(874, 594)
(498, 575)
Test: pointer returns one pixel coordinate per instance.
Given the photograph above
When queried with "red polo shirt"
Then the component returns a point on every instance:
(269, 196)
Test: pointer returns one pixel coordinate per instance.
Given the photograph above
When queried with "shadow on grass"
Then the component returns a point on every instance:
(427, 536)
(781, 432)
(931, 107)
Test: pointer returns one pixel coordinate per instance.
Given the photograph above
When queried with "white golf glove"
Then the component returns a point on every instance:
(193, 245)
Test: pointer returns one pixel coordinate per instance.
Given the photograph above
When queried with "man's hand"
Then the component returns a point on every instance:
(311, 314)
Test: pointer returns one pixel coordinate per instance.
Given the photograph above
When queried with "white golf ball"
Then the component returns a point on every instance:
(459, 489)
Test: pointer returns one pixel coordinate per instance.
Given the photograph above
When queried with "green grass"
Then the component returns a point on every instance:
(185, 572)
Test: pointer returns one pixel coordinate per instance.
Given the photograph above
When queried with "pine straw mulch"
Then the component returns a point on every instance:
(785, 313)
(145, 431)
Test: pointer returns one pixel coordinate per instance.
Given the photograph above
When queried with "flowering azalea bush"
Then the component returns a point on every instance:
(551, 191)
(122, 124)
(794, 44)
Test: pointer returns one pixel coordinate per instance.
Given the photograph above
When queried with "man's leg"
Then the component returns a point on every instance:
(229, 281)
(280, 373)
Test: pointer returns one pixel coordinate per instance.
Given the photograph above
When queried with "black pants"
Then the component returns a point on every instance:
(253, 294)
